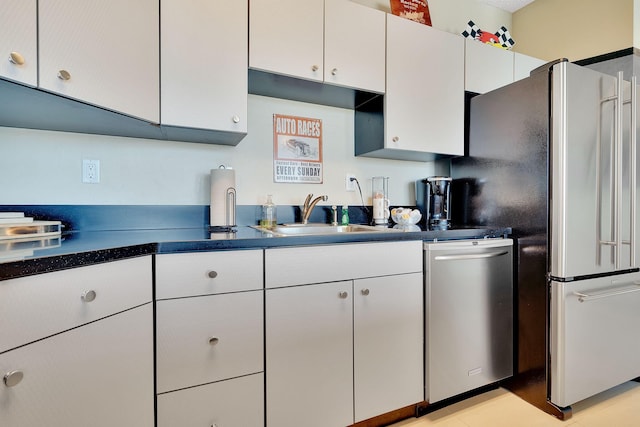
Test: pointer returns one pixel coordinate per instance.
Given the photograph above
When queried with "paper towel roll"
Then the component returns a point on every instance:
(222, 210)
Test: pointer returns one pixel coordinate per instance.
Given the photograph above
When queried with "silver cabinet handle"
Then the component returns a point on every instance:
(64, 75)
(212, 274)
(13, 378)
(334, 72)
(365, 292)
(16, 58)
(314, 68)
(88, 296)
(235, 119)
(395, 139)
(214, 340)
(343, 295)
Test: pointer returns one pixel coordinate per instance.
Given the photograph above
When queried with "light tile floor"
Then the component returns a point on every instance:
(617, 407)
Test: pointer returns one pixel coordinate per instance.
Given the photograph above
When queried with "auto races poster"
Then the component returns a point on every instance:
(297, 149)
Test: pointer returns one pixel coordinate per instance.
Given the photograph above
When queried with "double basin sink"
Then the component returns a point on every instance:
(320, 229)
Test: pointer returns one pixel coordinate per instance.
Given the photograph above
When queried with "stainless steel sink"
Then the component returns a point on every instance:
(316, 229)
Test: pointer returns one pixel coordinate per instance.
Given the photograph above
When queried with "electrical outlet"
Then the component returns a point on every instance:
(90, 171)
(349, 183)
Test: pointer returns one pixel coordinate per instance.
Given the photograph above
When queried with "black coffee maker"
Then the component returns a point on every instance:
(433, 198)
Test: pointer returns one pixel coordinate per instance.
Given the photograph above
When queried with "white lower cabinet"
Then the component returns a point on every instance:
(235, 402)
(98, 375)
(76, 347)
(210, 339)
(349, 349)
(388, 343)
(309, 355)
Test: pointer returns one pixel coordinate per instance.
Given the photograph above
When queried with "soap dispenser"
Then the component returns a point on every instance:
(345, 215)
(269, 218)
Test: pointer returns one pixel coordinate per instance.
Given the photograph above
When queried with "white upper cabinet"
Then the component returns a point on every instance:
(102, 52)
(204, 64)
(354, 46)
(286, 37)
(18, 41)
(486, 67)
(424, 100)
(334, 41)
(524, 64)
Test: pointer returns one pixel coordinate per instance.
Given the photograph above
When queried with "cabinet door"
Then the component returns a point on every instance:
(98, 375)
(18, 41)
(523, 65)
(388, 344)
(238, 402)
(486, 67)
(424, 100)
(354, 55)
(102, 52)
(286, 37)
(309, 355)
(209, 338)
(35, 307)
(204, 64)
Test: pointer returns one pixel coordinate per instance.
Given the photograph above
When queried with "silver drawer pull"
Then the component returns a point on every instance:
(214, 340)
(343, 294)
(583, 297)
(64, 75)
(212, 274)
(365, 292)
(470, 256)
(13, 378)
(88, 296)
(16, 58)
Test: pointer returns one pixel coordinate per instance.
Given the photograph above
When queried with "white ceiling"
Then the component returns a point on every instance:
(508, 5)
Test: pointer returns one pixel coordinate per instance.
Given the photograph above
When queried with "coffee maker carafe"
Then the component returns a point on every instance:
(434, 196)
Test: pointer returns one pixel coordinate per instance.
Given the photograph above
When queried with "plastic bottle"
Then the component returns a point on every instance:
(345, 215)
(269, 218)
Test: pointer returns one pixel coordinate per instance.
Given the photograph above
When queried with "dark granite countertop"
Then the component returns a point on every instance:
(75, 249)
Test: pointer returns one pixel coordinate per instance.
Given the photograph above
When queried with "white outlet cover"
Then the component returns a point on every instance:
(90, 171)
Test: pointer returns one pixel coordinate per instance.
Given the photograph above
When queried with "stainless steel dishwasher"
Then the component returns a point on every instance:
(469, 315)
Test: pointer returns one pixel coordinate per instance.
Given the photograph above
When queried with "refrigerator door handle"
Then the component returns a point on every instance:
(617, 194)
(613, 202)
(585, 297)
(633, 190)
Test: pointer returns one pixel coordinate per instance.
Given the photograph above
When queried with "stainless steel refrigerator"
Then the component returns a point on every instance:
(554, 156)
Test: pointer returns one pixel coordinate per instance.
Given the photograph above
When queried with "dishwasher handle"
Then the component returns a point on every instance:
(470, 256)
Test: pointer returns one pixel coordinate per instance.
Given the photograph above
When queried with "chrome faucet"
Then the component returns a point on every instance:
(309, 205)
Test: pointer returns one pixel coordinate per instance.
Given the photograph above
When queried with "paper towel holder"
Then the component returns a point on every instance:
(230, 211)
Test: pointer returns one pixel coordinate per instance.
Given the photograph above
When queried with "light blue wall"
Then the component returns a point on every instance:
(43, 167)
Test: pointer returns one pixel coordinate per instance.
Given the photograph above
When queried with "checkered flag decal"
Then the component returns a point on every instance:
(505, 38)
(472, 31)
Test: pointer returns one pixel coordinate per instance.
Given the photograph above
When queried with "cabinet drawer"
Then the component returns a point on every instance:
(186, 353)
(35, 307)
(316, 264)
(205, 273)
(98, 375)
(233, 403)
